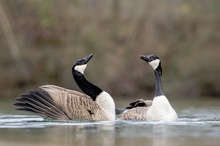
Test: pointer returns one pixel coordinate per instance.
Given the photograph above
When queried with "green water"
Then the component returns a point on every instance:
(198, 125)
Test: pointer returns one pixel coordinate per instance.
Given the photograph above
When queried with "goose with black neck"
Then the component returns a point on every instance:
(64, 104)
(99, 96)
(159, 109)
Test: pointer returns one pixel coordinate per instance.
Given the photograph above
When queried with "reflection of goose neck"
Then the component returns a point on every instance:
(157, 83)
(87, 87)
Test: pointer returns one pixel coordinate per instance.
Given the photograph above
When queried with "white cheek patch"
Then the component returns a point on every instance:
(155, 63)
(81, 68)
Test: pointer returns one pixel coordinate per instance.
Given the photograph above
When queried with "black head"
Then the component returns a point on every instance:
(80, 64)
(84, 60)
(149, 58)
(153, 61)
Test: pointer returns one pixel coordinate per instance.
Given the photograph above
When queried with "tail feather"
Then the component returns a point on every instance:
(32, 102)
(47, 100)
(40, 102)
(41, 93)
(28, 103)
(34, 107)
(27, 107)
(48, 104)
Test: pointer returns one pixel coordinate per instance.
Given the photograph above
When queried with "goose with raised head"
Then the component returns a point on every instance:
(159, 109)
(64, 104)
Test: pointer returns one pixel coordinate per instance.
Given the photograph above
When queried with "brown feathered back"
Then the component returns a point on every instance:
(137, 113)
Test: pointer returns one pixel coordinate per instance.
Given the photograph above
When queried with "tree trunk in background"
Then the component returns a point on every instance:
(12, 44)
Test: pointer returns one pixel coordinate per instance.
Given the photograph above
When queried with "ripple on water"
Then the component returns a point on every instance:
(25, 121)
(19, 121)
(184, 127)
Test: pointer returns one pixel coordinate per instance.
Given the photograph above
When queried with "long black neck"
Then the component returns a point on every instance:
(157, 82)
(87, 87)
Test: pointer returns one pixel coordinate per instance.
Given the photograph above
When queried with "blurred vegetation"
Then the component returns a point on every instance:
(40, 40)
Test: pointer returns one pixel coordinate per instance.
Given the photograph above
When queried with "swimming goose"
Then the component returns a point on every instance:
(63, 104)
(157, 110)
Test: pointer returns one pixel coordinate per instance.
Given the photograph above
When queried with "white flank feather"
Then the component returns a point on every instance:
(107, 104)
(161, 110)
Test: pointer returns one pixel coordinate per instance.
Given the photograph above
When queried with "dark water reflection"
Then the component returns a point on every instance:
(199, 125)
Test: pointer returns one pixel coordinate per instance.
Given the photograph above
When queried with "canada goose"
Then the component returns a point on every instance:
(157, 110)
(63, 104)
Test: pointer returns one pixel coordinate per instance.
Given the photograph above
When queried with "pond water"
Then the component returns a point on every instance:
(198, 125)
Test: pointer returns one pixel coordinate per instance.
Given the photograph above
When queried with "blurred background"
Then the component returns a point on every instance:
(40, 41)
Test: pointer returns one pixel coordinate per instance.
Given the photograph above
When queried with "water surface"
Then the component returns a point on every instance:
(198, 125)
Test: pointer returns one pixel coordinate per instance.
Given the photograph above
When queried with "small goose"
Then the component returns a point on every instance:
(63, 104)
(157, 110)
